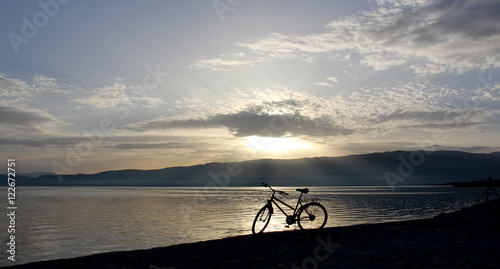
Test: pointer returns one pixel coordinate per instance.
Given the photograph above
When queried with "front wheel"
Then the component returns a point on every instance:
(312, 216)
(262, 219)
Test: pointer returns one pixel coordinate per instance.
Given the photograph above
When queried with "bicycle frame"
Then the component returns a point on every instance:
(274, 199)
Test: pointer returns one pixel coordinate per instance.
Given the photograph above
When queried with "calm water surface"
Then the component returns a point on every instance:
(65, 222)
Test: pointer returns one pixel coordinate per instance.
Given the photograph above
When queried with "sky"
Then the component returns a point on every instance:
(90, 86)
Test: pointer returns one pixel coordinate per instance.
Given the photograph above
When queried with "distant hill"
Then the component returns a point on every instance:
(396, 168)
(32, 174)
(37, 174)
(474, 184)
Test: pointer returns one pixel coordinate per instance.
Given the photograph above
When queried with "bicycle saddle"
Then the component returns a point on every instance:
(305, 191)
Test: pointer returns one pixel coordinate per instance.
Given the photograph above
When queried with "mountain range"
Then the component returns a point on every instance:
(387, 168)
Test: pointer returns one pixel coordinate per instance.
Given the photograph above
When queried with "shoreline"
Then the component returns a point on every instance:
(463, 239)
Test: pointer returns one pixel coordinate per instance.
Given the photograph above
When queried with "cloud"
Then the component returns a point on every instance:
(45, 85)
(382, 146)
(433, 120)
(419, 116)
(116, 142)
(22, 122)
(118, 94)
(167, 145)
(12, 87)
(276, 113)
(221, 63)
(381, 61)
(448, 35)
(59, 141)
(14, 90)
(435, 126)
(459, 34)
(281, 46)
(252, 122)
(24, 117)
(429, 68)
(279, 111)
(333, 79)
(322, 84)
(108, 96)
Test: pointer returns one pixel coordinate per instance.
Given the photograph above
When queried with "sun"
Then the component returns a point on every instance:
(276, 144)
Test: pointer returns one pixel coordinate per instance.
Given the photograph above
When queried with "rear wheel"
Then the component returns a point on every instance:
(312, 216)
(261, 220)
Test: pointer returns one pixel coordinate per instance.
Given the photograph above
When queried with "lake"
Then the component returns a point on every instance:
(64, 222)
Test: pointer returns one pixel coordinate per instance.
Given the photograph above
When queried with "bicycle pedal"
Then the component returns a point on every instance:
(286, 226)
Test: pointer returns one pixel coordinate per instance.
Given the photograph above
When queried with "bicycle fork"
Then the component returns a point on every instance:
(270, 205)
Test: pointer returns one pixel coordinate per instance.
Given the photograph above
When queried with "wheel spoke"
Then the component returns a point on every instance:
(312, 216)
(261, 220)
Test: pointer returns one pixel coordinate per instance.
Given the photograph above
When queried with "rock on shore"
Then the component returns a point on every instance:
(468, 238)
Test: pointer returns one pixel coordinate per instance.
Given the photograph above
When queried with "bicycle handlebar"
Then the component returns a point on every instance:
(280, 192)
(283, 193)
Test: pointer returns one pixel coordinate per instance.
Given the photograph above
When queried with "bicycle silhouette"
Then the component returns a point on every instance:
(309, 216)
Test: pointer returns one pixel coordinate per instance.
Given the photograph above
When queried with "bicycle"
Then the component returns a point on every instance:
(308, 216)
